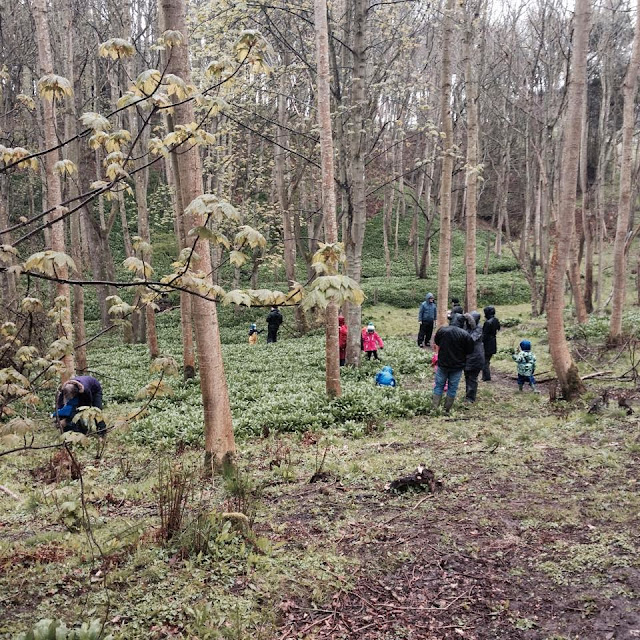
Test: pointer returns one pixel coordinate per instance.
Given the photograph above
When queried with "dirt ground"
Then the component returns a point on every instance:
(522, 543)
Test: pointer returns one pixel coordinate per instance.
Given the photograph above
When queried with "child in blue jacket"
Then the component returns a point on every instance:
(384, 378)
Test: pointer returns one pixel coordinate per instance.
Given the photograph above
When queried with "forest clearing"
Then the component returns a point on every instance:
(319, 320)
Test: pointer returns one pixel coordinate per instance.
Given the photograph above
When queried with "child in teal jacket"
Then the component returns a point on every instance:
(526, 361)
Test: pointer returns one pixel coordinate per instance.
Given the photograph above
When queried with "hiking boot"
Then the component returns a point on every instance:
(535, 389)
(435, 400)
(520, 387)
(448, 403)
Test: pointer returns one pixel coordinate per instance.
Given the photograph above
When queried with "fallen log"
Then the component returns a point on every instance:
(10, 493)
(597, 374)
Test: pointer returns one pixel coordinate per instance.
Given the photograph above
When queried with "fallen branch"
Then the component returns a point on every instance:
(10, 493)
(597, 374)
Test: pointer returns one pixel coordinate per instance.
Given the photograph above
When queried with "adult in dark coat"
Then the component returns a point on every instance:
(426, 317)
(454, 345)
(490, 330)
(274, 320)
(80, 391)
(475, 360)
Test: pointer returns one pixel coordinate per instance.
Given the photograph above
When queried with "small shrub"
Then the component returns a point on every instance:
(57, 630)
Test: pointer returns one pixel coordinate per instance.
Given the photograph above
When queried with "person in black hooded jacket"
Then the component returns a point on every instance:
(454, 345)
(274, 320)
(475, 360)
(490, 330)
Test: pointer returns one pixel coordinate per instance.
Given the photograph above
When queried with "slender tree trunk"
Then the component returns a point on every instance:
(7, 280)
(186, 311)
(565, 368)
(71, 129)
(218, 428)
(444, 249)
(328, 186)
(471, 89)
(54, 191)
(357, 213)
(629, 90)
(586, 215)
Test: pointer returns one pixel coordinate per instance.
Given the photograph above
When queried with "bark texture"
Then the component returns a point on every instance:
(563, 363)
(328, 186)
(54, 189)
(218, 428)
(629, 91)
(444, 249)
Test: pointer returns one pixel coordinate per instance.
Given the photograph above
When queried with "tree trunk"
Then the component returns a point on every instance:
(586, 215)
(54, 191)
(356, 216)
(565, 368)
(186, 311)
(71, 129)
(444, 249)
(7, 280)
(629, 90)
(471, 90)
(328, 186)
(218, 427)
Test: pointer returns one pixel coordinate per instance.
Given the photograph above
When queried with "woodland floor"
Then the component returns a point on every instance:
(534, 535)
(521, 543)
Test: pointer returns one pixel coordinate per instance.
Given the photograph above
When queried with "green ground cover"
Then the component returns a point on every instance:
(534, 535)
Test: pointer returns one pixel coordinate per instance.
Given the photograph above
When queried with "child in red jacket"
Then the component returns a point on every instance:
(371, 341)
(342, 340)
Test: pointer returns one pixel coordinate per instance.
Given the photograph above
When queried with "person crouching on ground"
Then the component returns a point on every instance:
(475, 360)
(371, 341)
(80, 391)
(526, 361)
(454, 345)
(426, 317)
(384, 377)
(343, 333)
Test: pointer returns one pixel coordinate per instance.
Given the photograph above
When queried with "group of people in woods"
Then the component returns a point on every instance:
(464, 346)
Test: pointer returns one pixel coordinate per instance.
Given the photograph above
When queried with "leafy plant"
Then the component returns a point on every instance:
(47, 629)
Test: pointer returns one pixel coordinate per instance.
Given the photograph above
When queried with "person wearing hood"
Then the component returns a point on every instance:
(454, 345)
(490, 330)
(253, 333)
(384, 377)
(427, 317)
(79, 392)
(343, 332)
(475, 360)
(371, 341)
(525, 360)
(274, 320)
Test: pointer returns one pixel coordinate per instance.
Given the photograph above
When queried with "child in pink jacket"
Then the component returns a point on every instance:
(371, 341)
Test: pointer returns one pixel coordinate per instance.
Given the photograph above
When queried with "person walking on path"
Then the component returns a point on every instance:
(490, 330)
(454, 345)
(526, 361)
(475, 360)
(343, 333)
(426, 317)
(79, 392)
(371, 341)
(274, 320)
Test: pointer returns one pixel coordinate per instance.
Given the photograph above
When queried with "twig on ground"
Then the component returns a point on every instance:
(10, 493)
